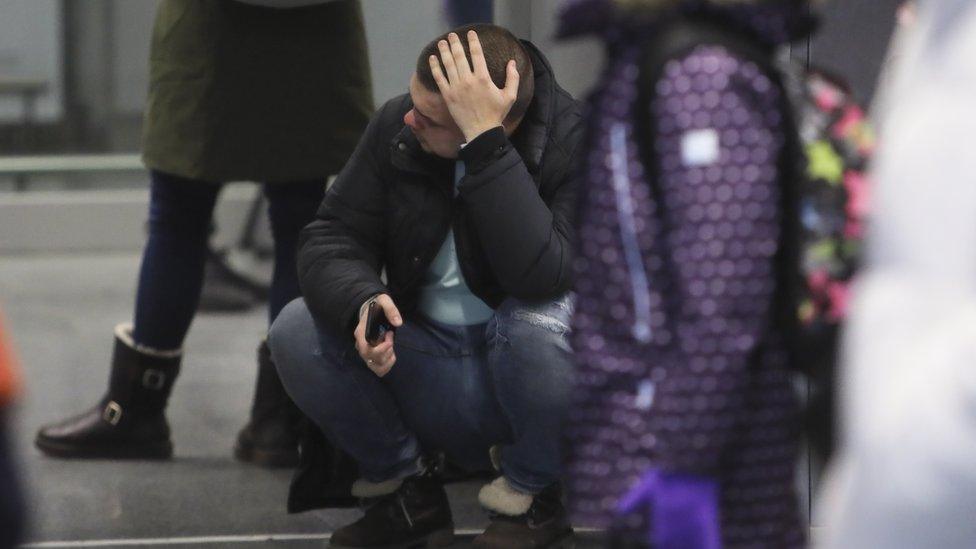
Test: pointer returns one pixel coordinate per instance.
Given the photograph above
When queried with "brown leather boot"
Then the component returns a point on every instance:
(523, 521)
(128, 422)
(270, 438)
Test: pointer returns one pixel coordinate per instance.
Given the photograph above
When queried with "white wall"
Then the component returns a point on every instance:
(577, 62)
(132, 24)
(397, 30)
(30, 47)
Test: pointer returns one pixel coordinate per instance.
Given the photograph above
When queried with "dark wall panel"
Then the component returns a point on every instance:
(853, 39)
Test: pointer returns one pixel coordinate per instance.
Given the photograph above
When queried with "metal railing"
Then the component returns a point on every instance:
(21, 168)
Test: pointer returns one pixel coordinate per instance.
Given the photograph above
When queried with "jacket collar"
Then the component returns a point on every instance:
(532, 135)
(529, 139)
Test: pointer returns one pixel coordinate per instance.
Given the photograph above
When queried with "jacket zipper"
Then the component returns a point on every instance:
(641, 329)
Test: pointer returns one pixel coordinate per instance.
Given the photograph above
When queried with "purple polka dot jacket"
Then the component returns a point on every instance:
(684, 425)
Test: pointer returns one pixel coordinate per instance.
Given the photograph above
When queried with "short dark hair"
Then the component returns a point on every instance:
(500, 46)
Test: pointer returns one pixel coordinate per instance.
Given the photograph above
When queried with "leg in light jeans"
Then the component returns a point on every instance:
(531, 367)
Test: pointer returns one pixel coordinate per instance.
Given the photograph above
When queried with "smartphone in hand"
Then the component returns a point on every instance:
(376, 324)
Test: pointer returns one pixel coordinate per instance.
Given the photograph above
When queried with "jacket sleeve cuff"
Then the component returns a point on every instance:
(352, 313)
(483, 149)
(684, 509)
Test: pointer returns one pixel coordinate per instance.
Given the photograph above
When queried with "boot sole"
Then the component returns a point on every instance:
(149, 451)
(437, 538)
(269, 459)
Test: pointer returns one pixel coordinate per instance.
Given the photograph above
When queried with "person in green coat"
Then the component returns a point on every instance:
(237, 92)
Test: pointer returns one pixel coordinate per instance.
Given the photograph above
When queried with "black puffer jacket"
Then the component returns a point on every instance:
(392, 205)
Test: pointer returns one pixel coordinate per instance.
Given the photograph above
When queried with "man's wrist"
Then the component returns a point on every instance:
(476, 132)
(483, 148)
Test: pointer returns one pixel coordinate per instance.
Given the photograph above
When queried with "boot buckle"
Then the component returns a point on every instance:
(112, 413)
(153, 379)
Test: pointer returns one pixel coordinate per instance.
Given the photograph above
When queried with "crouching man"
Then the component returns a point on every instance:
(463, 192)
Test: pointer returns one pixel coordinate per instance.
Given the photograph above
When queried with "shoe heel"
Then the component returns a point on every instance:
(269, 459)
(441, 538)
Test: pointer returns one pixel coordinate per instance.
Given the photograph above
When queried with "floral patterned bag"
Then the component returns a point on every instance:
(826, 212)
(829, 206)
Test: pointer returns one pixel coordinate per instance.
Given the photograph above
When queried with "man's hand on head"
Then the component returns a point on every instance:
(474, 101)
(379, 358)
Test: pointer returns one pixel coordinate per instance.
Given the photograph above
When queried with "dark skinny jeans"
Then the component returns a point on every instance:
(171, 277)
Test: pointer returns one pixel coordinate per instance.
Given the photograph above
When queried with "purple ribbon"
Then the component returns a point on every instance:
(682, 510)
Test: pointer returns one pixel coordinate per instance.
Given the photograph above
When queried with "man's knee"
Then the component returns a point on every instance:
(530, 352)
(308, 361)
(546, 323)
(292, 335)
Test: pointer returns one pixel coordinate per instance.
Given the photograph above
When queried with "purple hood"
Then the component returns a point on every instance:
(772, 22)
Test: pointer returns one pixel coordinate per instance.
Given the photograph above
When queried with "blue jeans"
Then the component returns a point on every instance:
(453, 389)
(171, 277)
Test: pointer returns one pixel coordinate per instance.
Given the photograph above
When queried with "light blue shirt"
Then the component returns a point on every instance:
(445, 296)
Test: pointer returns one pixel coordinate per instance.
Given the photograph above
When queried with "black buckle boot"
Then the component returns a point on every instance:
(270, 438)
(416, 514)
(517, 523)
(128, 422)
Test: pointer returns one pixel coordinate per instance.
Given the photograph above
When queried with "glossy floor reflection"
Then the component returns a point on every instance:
(60, 311)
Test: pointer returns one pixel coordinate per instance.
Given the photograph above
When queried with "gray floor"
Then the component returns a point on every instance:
(60, 311)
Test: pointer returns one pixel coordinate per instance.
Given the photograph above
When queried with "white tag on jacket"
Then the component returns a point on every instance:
(699, 148)
(645, 395)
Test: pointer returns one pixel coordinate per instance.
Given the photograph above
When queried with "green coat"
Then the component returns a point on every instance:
(244, 93)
